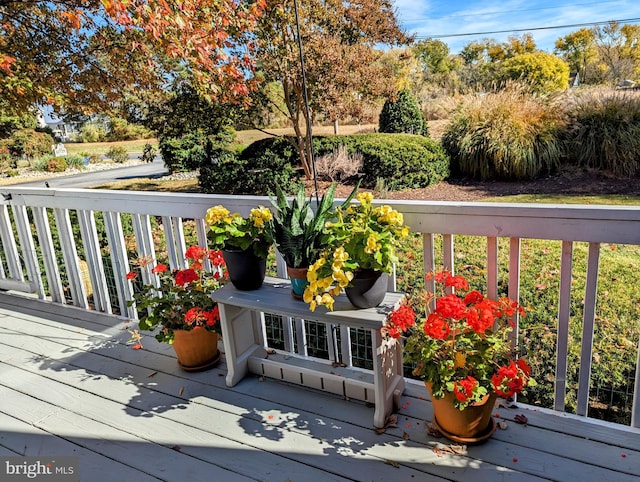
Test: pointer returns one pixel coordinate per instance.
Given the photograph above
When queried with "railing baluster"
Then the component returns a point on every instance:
(120, 263)
(492, 268)
(43, 229)
(89, 234)
(28, 250)
(70, 256)
(10, 246)
(588, 322)
(514, 284)
(566, 263)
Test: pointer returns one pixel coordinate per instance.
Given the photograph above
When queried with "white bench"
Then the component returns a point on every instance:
(242, 318)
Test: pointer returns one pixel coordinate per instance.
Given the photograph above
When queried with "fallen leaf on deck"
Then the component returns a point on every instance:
(391, 421)
(433, 431)
(152, 374)
(521, 419)
(177, 448)
(502, 425)
(405, 436)
(452, 449)
(337, 364)
(261, 379)
(181, 391)
(392, 463)
(271, 351)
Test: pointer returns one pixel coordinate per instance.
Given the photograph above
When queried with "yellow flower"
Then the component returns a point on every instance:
(343, 278)
(372, 244)
(260, 216)
(218, 214)
(365, 197)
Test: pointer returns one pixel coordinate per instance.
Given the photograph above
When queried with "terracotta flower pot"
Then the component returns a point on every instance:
(298, 278)
(368, 288)
(196, 349)
(473, 425)
(246, 270)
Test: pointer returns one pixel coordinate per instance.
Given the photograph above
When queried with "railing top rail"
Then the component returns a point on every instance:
(577, 222)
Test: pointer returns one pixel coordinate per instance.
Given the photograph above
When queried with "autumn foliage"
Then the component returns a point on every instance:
(90, 54)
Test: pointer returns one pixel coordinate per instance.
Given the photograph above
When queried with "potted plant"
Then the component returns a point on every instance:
(298, 230)
(178, 305)
(244, 243)
(459, 345)
(359, 253)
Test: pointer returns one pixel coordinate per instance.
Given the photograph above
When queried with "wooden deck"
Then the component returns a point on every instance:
(71, 386)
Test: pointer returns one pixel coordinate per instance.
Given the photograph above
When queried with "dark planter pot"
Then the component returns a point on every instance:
(298, 278)
(368, 288)
(473, 425)
(196, 349)
(246, 270)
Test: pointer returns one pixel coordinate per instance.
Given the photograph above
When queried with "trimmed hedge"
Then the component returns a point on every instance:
(256, 170)
(403, 161)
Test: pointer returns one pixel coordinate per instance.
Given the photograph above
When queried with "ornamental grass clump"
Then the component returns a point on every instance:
(363, 237)
(462, 345)
(181, 299)
(232, 231)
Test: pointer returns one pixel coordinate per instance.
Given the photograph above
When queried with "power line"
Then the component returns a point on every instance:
(497, 12)
(604, 22)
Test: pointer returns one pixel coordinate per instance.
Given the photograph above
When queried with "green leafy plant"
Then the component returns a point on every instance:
(180, 299)
(229, 231)
(362, 237)
(118, 154)
(461, 346)
(298, 227)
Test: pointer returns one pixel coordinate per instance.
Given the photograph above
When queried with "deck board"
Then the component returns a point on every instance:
(70, 385)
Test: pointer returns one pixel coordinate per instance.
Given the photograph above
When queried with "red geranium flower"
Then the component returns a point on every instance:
(132, 275)
(400, 320)
(463, 389)
(436, 327)
(182, 277)
(160, 268)
(196, 252)
(451, 306)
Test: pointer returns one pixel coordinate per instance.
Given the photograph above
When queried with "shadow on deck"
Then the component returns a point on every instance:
(71, 386)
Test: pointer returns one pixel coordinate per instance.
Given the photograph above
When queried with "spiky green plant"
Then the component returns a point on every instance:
(298, 227)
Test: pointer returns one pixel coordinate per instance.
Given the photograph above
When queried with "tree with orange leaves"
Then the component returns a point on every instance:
(85, 55)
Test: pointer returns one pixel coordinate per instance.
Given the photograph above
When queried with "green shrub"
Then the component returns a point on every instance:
(91, 132)
(402, 115)
(121, 130)
(604, 132)
(56, 164)
(256, 170)
(118, 154)
(75, 160)
(511, 134)
(185, 153)
(402, 161)
(30, 144)
(148, 153)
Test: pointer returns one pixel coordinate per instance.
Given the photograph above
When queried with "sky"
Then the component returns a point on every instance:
(443, 18)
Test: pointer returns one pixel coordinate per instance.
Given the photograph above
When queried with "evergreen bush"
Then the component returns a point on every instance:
(185, 153)
(403, 115)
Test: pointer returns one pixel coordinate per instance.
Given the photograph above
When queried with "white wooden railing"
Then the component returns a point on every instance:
(28, 214)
